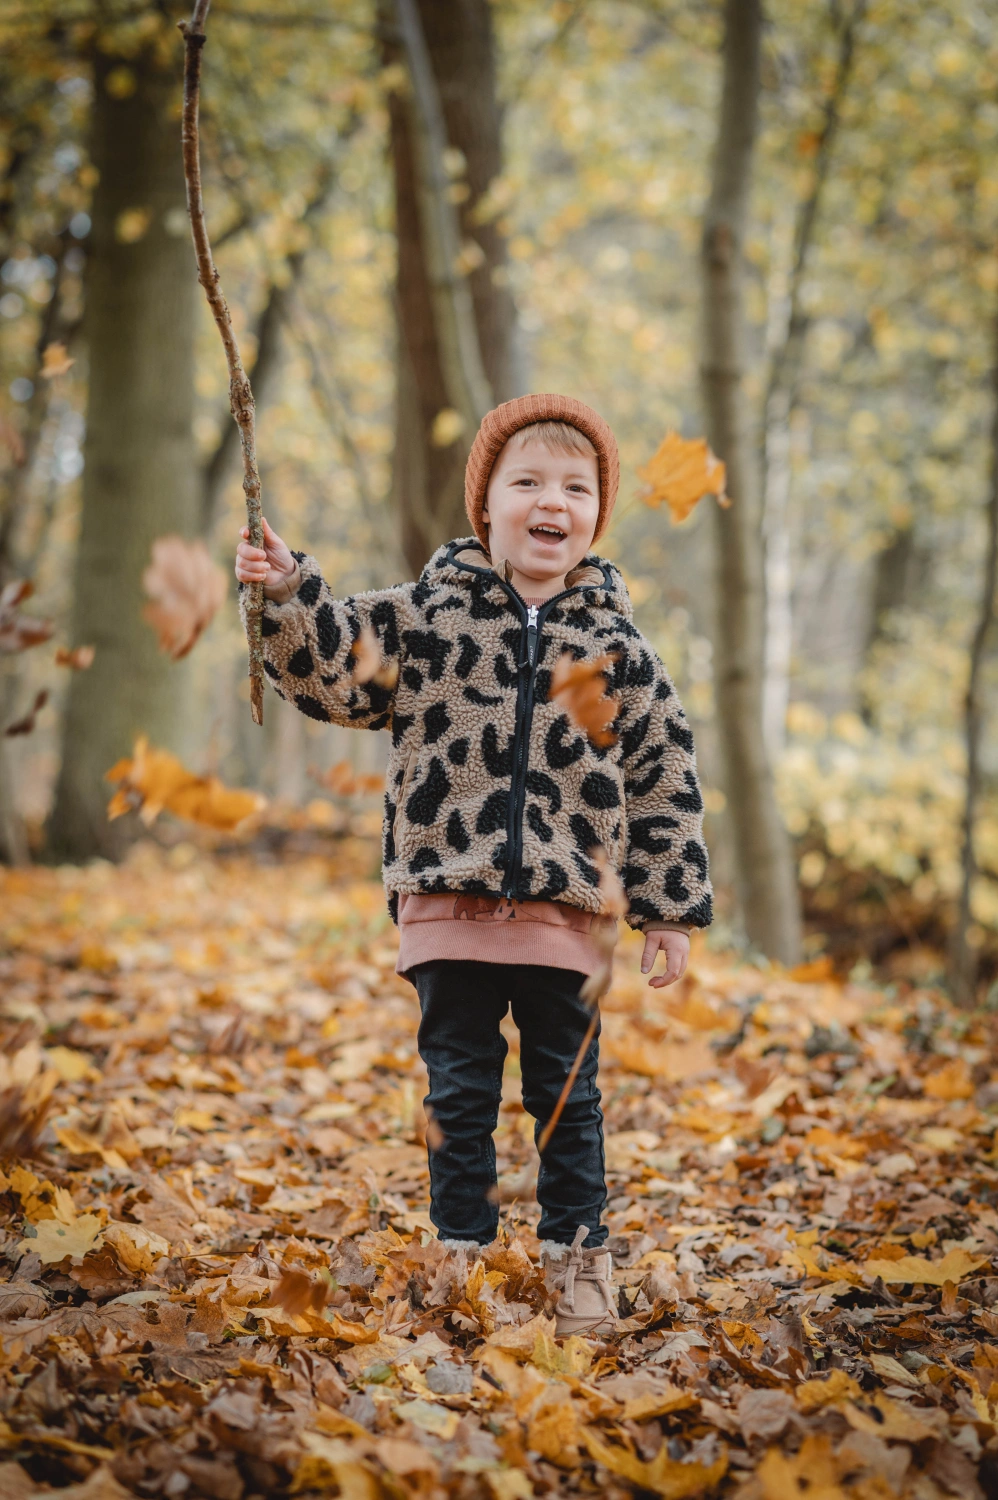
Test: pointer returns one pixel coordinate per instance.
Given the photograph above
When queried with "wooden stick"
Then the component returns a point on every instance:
(573, 1074)
(241, 401)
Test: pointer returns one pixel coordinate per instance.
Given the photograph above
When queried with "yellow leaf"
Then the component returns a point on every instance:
(895, 1421)
(575, 1357)
(509, 1484)
(658, 1403)
(812, 1472)
(331, 1462)
(436, 1420)
(193, 1119)
(522, 1339)
(663, 1475)
(954, 1266)
(136, 1248)
(838, 1387)
(553, 1432)
(71, 1066)
(351, 1333)
(681, 472)
(952, 1081)
(54, 1241)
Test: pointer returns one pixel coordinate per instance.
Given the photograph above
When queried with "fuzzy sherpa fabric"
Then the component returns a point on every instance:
(490, 787)
(498, 427)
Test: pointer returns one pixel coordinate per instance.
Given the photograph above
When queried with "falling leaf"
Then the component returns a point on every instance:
(343, 781)
(681, 472)
(26, 724)
(579, 687)
(18, 632)
(154, 781)
(185, 588)
(954, 1266)
(55, 361)
(79, 659)
(368, 665)
(53, 1241)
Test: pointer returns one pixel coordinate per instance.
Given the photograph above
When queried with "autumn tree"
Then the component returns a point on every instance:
(432, 433)
(765, 872)
(140, 476)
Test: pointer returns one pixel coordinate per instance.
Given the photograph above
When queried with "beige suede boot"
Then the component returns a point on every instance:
(587, 1304)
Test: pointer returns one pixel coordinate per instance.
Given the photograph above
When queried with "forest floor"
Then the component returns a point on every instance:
(210, 1097)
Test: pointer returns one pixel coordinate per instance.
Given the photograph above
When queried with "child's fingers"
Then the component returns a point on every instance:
(650, 949)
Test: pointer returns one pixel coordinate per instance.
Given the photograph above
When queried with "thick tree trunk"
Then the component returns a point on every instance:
(766, 881)
(963, 978)
(140, 479)
(428, 480)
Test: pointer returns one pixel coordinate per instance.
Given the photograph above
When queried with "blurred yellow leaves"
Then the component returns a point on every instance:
(448, 426)
(663, 1475)
(955, 1265)
(154, 781)
(131, 225)
(680, 473)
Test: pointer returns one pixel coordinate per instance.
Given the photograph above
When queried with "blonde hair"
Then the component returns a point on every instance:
(555, 435)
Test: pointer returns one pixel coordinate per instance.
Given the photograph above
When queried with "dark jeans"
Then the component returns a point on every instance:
(460, 1042)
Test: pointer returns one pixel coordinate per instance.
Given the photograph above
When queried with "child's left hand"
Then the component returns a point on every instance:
(675, 946)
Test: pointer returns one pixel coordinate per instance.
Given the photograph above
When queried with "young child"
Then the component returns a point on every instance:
(496, 804)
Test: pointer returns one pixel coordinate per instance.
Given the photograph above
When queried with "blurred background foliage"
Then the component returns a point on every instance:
(592, 225)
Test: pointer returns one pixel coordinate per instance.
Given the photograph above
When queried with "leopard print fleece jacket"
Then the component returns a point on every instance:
(490, 788)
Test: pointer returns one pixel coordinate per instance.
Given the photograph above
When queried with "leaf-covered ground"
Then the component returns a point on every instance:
(210, 1099)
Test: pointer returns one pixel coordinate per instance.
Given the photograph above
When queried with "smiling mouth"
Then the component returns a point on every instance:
(550, 535)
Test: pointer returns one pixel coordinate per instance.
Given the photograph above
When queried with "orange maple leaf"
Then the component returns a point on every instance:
(154, 781)
(580, 688)
(681, 472)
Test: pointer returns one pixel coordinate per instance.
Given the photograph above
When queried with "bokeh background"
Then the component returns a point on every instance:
(586, 151)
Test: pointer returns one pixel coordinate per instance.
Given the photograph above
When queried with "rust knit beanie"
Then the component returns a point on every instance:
(499, 425)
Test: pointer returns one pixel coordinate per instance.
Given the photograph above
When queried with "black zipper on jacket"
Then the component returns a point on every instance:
(526, 673)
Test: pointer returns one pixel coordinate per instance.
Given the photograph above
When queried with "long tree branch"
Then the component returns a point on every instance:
(240, 391)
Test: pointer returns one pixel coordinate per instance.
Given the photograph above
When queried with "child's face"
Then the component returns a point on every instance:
(541, 507)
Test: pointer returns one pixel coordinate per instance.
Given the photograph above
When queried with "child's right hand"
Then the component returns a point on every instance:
(270, 565)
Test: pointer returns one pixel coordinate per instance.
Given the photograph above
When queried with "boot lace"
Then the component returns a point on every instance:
(591, 1266)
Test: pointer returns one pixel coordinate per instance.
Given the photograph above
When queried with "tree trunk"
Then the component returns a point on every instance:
(428, 479)
(781, 397)
(140, 479)
(963, 968)
(765, 875)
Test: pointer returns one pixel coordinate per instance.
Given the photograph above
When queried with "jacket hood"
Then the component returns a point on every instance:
(464, 562)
